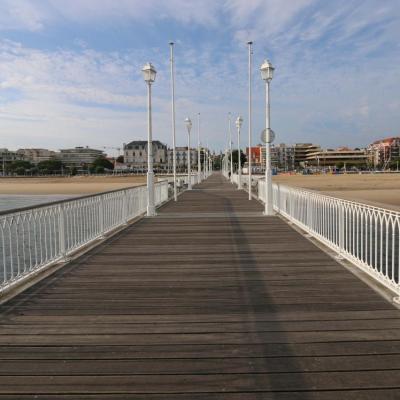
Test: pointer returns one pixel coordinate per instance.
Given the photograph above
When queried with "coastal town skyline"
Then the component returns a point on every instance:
(71, 75)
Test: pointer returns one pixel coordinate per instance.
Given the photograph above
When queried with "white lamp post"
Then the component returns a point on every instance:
(230, 144)
(171, 44)
(239, 122)
(205, 163)
(267, 71)
(198, 150)
(249, 159)
(149, 75)
(188, 123)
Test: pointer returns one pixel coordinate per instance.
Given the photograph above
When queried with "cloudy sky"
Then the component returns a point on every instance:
(70, 69)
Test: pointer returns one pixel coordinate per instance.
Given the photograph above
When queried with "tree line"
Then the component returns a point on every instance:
(52, 167)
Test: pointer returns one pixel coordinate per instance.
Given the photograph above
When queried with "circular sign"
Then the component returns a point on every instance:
(267, 138)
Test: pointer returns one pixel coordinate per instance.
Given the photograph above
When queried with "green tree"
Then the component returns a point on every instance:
(243, 157)
(394, 164)
(50, 166)
(339, 165)
(217, 162)
(19, 167)
(20, 171)
(103, 163)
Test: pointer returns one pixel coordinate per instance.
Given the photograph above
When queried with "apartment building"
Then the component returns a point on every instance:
(135, 155)
(35, 156)
(182, 158)
(384, 151)
(341, 155)
(79, 156)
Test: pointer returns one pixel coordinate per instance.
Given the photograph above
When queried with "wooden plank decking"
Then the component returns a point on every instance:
(209, 300)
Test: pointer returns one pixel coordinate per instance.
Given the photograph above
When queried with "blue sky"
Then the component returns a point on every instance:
(70, 70)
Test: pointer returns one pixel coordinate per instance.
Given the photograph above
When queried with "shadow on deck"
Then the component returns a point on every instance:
(209, 300)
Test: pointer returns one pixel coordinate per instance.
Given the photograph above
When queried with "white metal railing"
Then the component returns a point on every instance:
(367, 236)
(33, 238)
(235, 179)
(182, 180)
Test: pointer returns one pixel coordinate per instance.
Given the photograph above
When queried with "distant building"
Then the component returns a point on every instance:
(282, 157)
(135, 155)
(255, 155)
(37, 155)
(7, 157)
(342, 155)
(79, 156)
(384, 151)
(182, 158)
(302, 151)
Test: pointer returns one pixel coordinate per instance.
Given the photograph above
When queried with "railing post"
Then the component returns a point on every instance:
(277, 187)
(61, 233)
(101, 217)
(341, 233)
(125, 217)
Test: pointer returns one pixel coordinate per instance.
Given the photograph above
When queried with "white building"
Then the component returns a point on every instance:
(334, 157)
(182, 158)
(7, 157)
(135, 155)
(382, 152)
(37, 155)
(282, 156)
(79, 156)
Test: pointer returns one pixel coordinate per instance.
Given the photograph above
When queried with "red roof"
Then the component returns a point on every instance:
(388, 140)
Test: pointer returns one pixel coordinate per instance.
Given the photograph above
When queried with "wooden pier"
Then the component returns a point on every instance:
(209, 300)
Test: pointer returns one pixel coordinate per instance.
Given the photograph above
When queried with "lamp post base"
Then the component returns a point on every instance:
(268, 214)
(151, 210)
(268, 211)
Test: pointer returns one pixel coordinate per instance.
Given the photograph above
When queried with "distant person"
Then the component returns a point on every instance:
(229, 174)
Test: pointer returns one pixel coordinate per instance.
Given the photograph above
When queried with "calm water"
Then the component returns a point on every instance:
(11, 201)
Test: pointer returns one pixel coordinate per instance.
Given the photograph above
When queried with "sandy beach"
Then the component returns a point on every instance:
(76, 185)
(381, 190)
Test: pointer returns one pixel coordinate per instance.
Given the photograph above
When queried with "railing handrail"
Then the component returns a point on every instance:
(56, 202)
(316, 192)
(350, 202)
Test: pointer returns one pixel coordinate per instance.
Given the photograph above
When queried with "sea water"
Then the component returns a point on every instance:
(13, 201)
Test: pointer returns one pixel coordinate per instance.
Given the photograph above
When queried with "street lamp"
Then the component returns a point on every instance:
(206, 161)
(267, 72)
(149, 75)
(249, 166)
(171, 44)
(198, 150)
(230, 145)
(188, 123)
(239, 122)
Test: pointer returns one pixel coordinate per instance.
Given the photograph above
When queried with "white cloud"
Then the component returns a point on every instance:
(22, 14)
(35, 15)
